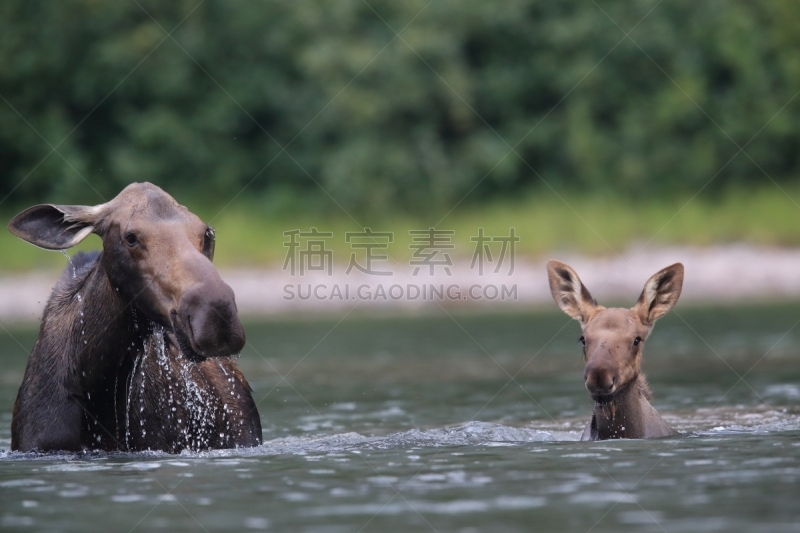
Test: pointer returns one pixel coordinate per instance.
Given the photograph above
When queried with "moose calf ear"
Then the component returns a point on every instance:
(569, 292)
(53, 227)
(660, 294)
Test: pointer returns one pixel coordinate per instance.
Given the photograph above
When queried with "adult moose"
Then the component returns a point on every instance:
(135, 346)
(613, 340)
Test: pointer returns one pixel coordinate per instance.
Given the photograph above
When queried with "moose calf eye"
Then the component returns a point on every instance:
(636, 341)
(583, 340)
(131, 239)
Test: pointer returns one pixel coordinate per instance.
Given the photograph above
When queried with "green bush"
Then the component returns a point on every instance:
(428, 120)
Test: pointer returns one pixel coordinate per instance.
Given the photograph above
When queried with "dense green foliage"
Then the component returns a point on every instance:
(381, 122)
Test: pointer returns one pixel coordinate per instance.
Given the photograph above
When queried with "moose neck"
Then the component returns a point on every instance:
(101, 308)
(106, 344)
(86, 307)
(623, 415)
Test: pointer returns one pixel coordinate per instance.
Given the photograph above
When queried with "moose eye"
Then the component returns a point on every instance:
(208, 243)
(636, 341)
(583, 340)
(131, 240)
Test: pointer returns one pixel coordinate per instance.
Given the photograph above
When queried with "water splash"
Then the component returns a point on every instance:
(170, 387)
(470, 434)
(70, 263)
(131, 383)
(116, 410)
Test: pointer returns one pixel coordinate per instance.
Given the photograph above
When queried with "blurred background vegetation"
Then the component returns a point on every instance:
(264, 116)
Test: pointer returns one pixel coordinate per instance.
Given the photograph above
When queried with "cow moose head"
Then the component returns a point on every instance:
(157, 256)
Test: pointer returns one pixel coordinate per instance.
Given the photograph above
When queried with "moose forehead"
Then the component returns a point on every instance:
(614, 321)
(144, 201)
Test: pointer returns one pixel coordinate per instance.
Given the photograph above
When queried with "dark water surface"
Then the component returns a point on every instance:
(415, 424)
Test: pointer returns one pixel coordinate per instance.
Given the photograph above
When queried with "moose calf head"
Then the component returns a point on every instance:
(613, 338)
(157, 255)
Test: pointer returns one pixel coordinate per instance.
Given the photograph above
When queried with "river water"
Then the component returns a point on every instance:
(453, 422)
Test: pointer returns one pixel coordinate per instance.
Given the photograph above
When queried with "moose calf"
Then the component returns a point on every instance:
(613, 340)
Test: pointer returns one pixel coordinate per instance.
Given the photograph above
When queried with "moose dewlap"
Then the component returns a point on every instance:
(135, 346)
(613, 340)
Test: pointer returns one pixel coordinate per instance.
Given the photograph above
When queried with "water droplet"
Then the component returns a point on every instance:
(69, 262)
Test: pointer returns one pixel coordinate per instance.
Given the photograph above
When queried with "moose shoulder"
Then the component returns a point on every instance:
(613, 340)
(136, 342)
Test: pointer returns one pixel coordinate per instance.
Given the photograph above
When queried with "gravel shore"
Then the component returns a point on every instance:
(718, 274)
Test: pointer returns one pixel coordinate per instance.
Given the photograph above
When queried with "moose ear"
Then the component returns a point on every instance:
(54, 227)
(569, 292)
(660, 294)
